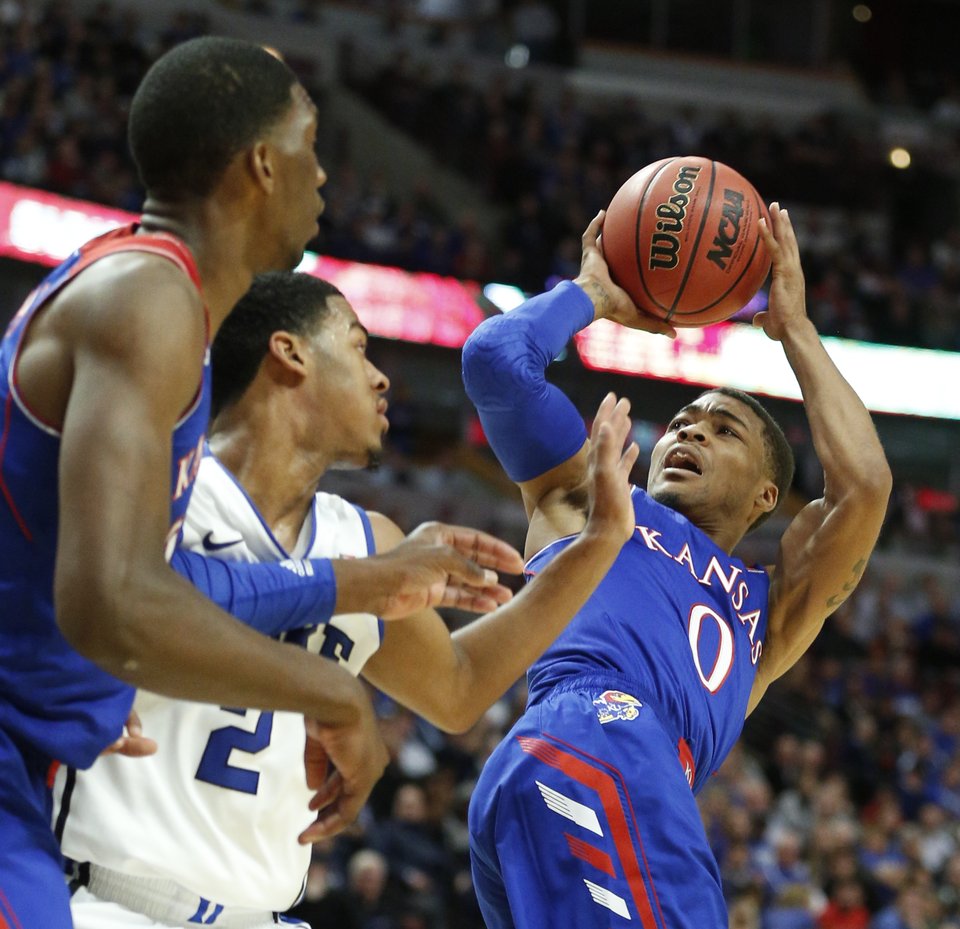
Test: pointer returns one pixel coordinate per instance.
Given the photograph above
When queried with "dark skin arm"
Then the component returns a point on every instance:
(452, 680)
(824, 551)
(116, 359)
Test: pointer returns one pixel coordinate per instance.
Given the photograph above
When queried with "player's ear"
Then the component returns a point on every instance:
(767, 496)
(260, 159)
(285, 348)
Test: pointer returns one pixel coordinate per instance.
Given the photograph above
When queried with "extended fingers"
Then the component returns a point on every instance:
(612, 422)
(592, 232)
(628, 459)
(328, 803)
(484, 549)
(780, 238)
(474, 599)
(133, 744)
(657, 325)
(327, 792)
(766, 232)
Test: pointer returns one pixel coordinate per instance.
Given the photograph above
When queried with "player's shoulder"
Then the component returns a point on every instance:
(386, 534)
(123, 268)
(131, 293)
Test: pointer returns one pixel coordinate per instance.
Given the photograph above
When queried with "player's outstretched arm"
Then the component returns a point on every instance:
(533, 428)
(435, 565)
(825, 549)
(452, 680)
(136, 353)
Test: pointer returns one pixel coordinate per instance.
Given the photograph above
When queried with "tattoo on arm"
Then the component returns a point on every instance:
(598, 296)
(848, 588)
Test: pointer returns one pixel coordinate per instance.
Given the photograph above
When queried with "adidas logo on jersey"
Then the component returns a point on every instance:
(300, 568)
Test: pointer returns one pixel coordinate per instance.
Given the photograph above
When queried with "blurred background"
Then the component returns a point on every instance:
(467, 146)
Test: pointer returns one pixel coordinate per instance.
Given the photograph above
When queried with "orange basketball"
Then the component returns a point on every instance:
(681, 238)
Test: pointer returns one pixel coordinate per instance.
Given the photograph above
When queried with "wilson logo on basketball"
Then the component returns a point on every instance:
(729, 229)
(665, 243)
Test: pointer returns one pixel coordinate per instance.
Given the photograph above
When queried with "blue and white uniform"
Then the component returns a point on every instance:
(55, 705)
(205, 830)
(585, 814)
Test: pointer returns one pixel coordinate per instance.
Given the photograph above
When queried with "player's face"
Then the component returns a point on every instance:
(297, 201)
(349, 389)
(710, 463)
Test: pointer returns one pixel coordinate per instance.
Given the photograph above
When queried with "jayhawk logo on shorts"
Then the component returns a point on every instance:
(615, 704)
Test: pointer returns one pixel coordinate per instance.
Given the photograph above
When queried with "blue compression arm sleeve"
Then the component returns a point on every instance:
(531, 425)
(271, 598)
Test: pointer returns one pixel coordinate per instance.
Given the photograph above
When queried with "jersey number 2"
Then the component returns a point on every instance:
(215, 767)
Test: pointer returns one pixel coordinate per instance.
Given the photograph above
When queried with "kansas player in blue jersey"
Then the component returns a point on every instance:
(103, 388)
(585, 814)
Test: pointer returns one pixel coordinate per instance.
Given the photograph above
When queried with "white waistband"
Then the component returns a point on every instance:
(168, 902)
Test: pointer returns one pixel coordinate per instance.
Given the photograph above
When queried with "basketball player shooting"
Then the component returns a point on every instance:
(585, 814)
(206, 830)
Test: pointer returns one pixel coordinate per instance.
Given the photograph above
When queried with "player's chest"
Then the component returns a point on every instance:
(693, 594)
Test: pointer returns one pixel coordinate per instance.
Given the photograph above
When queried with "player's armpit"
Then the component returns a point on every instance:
(561, 512)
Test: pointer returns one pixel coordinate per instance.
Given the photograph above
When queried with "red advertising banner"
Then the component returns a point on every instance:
(45, 228)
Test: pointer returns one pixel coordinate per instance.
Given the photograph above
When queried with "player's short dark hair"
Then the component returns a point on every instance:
(198, 106)
(779, 461)
(279, 300)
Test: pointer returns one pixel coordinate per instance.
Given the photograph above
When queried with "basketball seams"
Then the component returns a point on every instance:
(704, 214)
(639, 219)
(747, 266)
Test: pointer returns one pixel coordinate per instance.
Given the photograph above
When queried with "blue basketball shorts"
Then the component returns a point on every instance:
(33, 891)
(583, 816)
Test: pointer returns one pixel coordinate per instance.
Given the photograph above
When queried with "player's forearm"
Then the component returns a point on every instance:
(843, 433)
(530, 424)
(271, 598)
(156, 632)
(496, 650)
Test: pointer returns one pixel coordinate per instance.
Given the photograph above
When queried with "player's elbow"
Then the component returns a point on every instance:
(455, 720)
(497, 362)
(452, 709)
(866, 484)
(874, 483)
(98, 617)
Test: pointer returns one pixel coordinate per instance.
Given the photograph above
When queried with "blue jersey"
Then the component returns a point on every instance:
(681, 619)
(51, 698)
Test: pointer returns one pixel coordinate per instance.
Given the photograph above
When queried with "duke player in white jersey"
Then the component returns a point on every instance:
(206, 831)
(585, 815)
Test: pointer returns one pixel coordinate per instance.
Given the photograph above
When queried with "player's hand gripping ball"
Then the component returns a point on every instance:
(681, 238)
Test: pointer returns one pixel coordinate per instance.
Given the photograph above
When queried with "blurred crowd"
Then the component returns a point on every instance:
(881, 247)
(882, 257)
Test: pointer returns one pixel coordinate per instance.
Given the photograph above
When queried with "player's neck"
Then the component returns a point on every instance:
(261, 450)
(721, 532)
(217, 245)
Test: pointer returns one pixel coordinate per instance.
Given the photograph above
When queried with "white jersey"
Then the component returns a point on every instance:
(218, 808)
